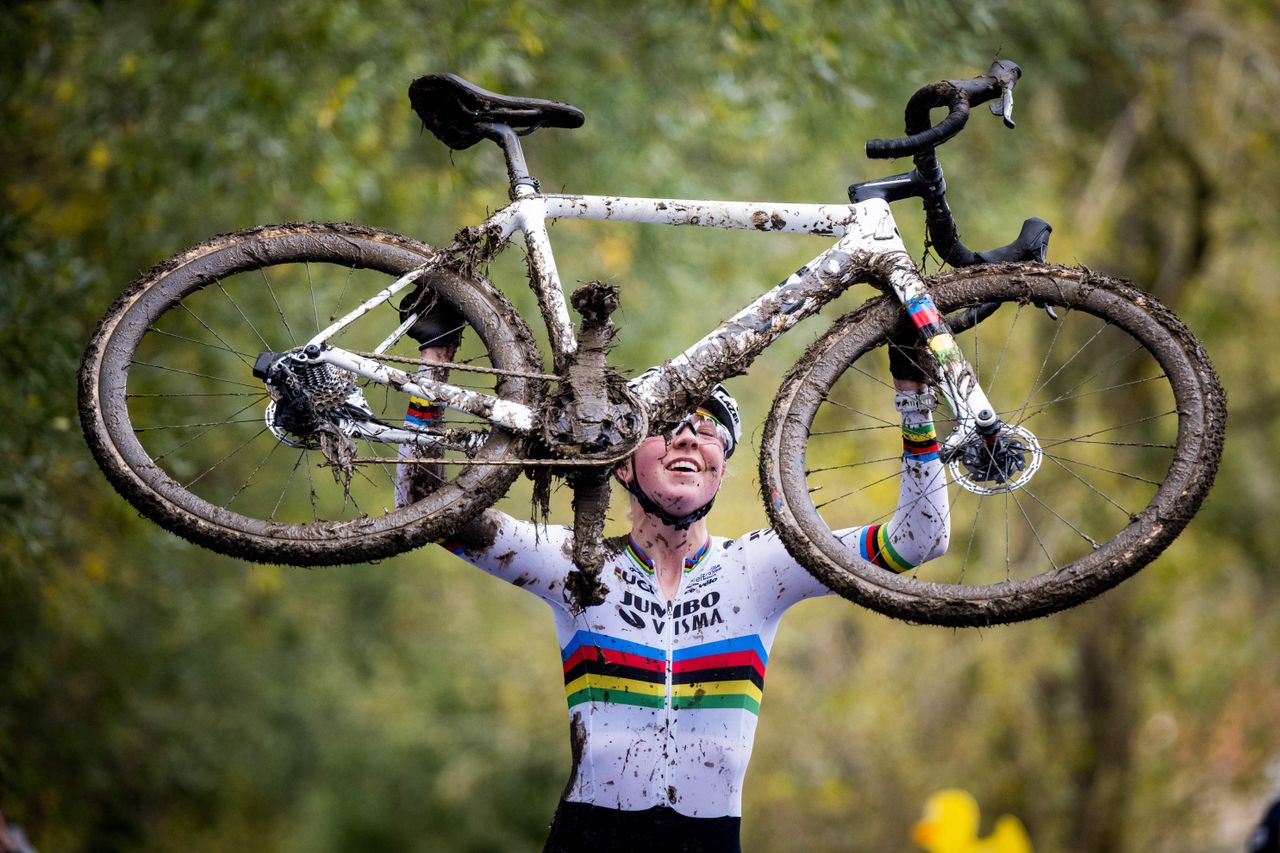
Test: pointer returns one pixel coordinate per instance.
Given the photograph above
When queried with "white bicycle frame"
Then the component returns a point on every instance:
(868, 247)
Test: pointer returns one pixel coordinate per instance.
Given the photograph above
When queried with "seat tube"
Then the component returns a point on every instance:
(545, 279)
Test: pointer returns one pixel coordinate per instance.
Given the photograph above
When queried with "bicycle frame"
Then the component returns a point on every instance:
(868, 249)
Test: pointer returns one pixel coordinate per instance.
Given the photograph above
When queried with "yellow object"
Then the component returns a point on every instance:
(950, 825)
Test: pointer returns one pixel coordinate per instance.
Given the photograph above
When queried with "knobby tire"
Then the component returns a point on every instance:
(1131, 417)
(233, 274)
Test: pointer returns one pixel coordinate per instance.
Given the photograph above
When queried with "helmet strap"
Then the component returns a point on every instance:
(651, 507)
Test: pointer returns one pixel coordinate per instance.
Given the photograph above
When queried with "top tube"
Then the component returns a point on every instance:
(832, 220)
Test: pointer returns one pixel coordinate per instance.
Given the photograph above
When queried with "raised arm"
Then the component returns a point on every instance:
(516, 551)
(918, 530)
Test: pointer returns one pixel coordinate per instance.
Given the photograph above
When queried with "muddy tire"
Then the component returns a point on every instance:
(1127, 416)
(176, 420)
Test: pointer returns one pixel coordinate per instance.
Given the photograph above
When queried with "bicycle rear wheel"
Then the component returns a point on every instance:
(183, 430)
(1115, 400)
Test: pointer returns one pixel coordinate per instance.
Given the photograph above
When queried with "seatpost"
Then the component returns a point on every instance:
(522, 183)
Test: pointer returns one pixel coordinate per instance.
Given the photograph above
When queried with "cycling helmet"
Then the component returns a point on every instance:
(721, 406)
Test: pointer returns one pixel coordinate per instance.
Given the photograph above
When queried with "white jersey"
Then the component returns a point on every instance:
(664, 696)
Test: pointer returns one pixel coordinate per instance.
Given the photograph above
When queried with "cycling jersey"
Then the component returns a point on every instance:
(664, 696)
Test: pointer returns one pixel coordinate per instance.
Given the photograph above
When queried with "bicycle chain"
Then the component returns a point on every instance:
(523, 463)
(451, 365)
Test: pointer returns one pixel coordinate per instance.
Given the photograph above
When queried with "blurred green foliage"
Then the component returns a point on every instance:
(154, 696)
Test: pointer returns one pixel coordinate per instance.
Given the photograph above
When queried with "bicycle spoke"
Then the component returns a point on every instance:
(1146, 445)
(302, 454)
(1004, 347)
(849, 465)
(245, 357)
(1078, 439)
(1079, 351)
(311, 483)
(315, 314)
(245, 444)
(877, 428)
(348, 496)
(973, 537)
(1044, 362)
(1085, 536)
(222, 379)
(337, 307)
(1090, 486)
(279, 310)
(1093, 467)
(858, 490)
(1008, 541)
(200, 435)
(473, 359)
(1066, 397)
(1035, 534)
(386, 467)
(179, 394)
(270, 451)
(240, 311)
(1108, 363)
(197, 425)
(443, 336)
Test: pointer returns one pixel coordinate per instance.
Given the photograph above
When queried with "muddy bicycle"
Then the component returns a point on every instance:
(249, 393)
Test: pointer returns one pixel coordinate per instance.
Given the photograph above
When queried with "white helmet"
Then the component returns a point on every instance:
(721, 406)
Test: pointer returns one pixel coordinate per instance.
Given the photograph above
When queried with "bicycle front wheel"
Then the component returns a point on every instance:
(1119, 420)
(183, 430)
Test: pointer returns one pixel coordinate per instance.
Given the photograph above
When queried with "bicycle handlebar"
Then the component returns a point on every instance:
(958, 96)
(926, 181)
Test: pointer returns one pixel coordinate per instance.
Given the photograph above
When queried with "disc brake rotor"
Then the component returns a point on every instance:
(999, 465)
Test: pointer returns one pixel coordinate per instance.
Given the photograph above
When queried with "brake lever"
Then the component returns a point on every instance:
(1007, 74)
(1004, 109)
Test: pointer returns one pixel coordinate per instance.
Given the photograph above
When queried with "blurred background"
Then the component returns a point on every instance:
(156, 696)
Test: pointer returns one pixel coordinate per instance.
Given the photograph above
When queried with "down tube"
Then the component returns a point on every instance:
(683, 381)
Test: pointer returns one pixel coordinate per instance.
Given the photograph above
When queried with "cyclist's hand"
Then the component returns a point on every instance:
(438, 323)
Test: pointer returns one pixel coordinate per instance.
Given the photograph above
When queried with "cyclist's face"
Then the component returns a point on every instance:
(706, 427)
(684, 469)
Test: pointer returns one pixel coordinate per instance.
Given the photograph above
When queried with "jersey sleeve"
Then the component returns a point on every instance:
(530, 556)
(533, 557)
(918, 531)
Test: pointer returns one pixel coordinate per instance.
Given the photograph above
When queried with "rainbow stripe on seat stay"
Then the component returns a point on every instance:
(721, 674)
(421, 412)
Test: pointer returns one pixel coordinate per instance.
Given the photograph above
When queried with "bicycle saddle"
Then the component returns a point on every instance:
(457, 111)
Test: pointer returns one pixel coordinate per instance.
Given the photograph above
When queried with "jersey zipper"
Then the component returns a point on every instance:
(669, 744)
(671, 699)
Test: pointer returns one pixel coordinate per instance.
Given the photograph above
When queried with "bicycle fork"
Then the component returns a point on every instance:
(985, 454)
